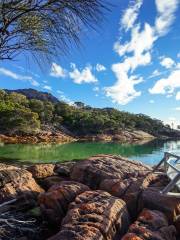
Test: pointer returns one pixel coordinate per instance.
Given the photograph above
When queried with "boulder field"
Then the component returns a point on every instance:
(105, 197)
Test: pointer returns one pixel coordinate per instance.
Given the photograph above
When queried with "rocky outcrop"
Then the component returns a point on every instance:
(16, 182)
(94, 215)
(151, 225)
(54, 203)
(93, 199)
(123, 136)
(48, 182)
(152, 199)
(41, 170)
(41, 137)
(131, 189)
(96, 169)
(64, 169)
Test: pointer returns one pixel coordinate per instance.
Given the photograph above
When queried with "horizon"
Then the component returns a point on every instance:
(131, 64)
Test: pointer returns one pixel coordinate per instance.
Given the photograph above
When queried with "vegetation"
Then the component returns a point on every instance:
(44, 27)
(27, 114)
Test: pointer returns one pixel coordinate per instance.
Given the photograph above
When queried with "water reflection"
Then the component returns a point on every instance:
(149, 153)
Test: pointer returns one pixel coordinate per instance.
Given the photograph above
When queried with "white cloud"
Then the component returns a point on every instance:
(46, 87)
(178, 55)
(167, 85)
(16, 76)
(57, 71)
(156, 73)
(123, 91)
(177, 108)
(167, 62)
(84, 76)
(140, 47)
(178, 96)
(141, 41)
(152, 101)
(100, 67)
(63, 98)
(131, 14)
(166, 10)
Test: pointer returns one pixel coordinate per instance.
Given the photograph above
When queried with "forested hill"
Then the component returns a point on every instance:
(28, 111)
(34, 94)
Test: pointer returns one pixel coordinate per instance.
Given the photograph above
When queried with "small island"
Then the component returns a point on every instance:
(31, 116)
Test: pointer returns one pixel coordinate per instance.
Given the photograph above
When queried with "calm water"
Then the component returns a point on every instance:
(149, 153)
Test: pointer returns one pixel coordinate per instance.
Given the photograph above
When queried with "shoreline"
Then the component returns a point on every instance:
(123, 137)
(106, 192)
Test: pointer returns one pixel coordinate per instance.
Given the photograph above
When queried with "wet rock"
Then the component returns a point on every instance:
(94, 215)
(151, 198)
(16, 182)
(54, 203)
(151, 225)
(42, 170)
(96, 169)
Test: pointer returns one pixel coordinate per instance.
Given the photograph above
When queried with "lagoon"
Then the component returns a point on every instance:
(148, 153)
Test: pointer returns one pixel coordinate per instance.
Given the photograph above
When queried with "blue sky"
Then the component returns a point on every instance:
(131, 63)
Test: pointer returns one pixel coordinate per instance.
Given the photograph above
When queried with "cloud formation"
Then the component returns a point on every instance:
(137, 52)
(156, 73)
(16, 76)
(63, 98)
(167, 62)
(167, 85)
(100, 67)
(130, 15)
(57, 71)
(166, 14)
(46, 87)
(82, 76)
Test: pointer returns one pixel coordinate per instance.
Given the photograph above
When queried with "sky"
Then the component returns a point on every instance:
(131, 62)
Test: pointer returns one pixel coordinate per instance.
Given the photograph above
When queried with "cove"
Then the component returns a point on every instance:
(148, 153)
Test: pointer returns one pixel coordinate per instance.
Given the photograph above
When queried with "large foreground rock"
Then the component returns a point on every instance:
(94, 215)
(15, 182)
(96, 169)
(54, 203)
(151, 225)
(170, 206)
(131, 189)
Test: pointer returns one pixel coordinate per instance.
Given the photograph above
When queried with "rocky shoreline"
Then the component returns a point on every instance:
(39, 138)
(105, 197)
(59, 137)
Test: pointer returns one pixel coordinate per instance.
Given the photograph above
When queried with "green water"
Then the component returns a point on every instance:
(149, 153)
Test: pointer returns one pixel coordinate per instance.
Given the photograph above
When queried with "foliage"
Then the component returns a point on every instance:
(15, 115)
(21, 114)
(44, 27)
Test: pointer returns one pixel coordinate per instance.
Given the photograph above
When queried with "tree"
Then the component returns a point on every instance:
(79, 104)
(36, 106)
(19, 121)
(44, 26)
(18, 99)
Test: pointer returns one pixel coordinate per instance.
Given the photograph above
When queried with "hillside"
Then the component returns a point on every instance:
(34, 94)
(30, 112)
